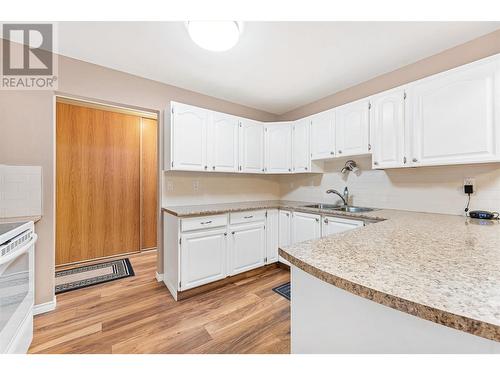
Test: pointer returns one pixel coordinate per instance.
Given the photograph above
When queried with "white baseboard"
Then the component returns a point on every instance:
(159, 277)
(44, 307)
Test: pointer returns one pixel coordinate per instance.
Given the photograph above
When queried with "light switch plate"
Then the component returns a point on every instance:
(170, 186)
(196, 185)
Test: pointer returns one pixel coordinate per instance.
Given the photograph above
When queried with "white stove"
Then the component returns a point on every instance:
(17, 243)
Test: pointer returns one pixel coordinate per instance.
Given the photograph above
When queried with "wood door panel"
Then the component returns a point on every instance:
(149, 180)
(98, 183)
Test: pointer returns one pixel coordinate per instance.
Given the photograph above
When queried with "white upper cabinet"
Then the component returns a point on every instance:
(454, 116)
(189, 137)
(305, 227)
(352, 128)
(323, 135)
(251, 146)
(301, 152)
(387, 124)
(278, 154)
(223, 143)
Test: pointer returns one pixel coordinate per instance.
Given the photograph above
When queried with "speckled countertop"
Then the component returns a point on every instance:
(442, 268)
(214, 209)
(19, 219)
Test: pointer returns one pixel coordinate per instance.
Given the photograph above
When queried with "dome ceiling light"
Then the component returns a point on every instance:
(215, 35)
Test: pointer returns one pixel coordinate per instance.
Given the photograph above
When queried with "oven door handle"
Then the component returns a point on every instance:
(22, 250)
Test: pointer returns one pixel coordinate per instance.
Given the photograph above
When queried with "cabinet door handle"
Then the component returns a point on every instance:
(369, 147)
(404, 160)
(232, 233)
(248, 217)
(332, 153)
(375, 163)
(287, 214)
(317, 220)
(206, 167)
(225, 234)
(326, 221)
(213, 168)
(415, 160)
(339, 151)
(206, 222)
(289, 169)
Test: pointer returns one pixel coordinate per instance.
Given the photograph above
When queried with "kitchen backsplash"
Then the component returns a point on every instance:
(425, 189)
(20, 191)
(186, 188)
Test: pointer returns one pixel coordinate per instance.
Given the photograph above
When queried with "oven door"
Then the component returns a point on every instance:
(16, 300)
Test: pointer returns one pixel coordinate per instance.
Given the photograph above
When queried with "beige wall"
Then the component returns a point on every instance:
(476, 49)
(27, 136)
(28, 117)
(429, 189)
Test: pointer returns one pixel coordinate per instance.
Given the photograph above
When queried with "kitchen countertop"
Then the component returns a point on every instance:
(221, 208)
(34, 219)
(442, 268)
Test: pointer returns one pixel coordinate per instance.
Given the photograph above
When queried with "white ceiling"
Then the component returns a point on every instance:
(276, 66)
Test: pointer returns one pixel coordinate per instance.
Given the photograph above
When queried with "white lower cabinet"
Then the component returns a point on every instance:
(203, 257)
(272, 236)
(285, 234)
(305, 227)
(247, 247)
(332, 225)
(203, 249)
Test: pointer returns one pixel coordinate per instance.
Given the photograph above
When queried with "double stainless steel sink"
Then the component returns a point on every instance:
(339, 208)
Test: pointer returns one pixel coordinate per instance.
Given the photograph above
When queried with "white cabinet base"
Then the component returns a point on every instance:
(326, 319)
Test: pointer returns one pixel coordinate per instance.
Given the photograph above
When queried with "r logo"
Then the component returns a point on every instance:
(34, 57)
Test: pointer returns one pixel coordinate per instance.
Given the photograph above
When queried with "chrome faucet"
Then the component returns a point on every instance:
(345, 197)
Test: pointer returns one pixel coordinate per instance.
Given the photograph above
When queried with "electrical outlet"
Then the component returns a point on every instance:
(196, 185)
(170, 186)
(469, 185)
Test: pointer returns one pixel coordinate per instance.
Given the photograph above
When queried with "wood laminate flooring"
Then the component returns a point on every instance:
(138, 315)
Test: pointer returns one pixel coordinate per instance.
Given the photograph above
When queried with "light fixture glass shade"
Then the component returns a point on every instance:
(214, 35)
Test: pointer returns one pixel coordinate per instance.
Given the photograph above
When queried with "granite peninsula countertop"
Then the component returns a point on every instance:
(442, 268)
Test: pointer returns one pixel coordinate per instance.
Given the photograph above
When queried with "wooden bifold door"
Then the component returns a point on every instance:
(106, 182)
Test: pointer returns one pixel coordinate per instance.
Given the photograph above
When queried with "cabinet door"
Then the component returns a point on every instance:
(333, 225)
(301, 146)
(305, 227)
(223, 143)
(251, 146)
(203, 257)
(278, 148)
(189, 138)
(248, 245)
(323, 135)
(388, 129)
(272, 234)
(454, 116)
(352, 128)
(284, 237)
